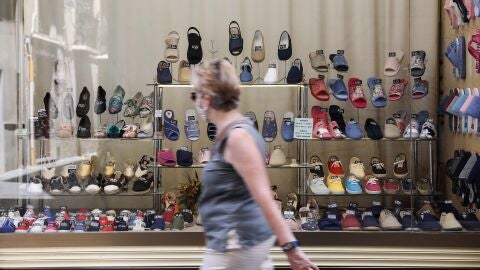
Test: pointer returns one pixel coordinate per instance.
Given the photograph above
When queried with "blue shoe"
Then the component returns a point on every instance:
(6, 225)
(121, 226)
(158, 223)
(246, 73)
(352, 185)
(80, 226)
(369, 222)
(353, 131)
(287, 126)
(48, 214)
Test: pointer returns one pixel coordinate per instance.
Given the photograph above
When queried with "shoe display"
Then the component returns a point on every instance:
(372, 185)
(449, 222)
(352, 185)
(378, 169)
(335, 166)
(356, 168)
(388, 222)
(400, 168)
(334, 184)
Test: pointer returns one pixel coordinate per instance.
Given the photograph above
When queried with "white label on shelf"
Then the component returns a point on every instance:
(72, 168)
(303, 128)
(158, 113)
(21, 132)
(376, 203)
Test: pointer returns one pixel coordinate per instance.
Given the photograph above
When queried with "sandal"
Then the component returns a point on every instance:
(133, 104)
(357, 96)
(146, 128)
(146, 108)
(269, 131)
(100, 132)
(235, 41)
(377, 94)
(170, 125)
(191, 127)
(171, 47)
(397, 89)
(420, 89)
(194, 51)
(130, 131)
(318, 89)
(116, 101)
(116, 131)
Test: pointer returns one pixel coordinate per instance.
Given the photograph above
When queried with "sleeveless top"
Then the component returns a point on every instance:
(230, 216)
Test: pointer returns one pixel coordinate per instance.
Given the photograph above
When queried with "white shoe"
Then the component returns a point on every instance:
(146, 128)
(411, 131)
(138, 225)
(428, 130)
(38, 226)
(48, 173)
(35, 186)
(272, 73)
(316, 183)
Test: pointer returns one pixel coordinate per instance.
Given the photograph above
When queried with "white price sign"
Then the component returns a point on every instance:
(303, 128)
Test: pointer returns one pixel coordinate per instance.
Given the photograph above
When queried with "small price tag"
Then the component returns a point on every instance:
(42, 113)
(340, 76)
(319, 51)
(350, 212)
(72, 168)
(158, 113)
(415, 53)
(392, 54)
(398, 203)
(257, 48)
(390, 121)
(368, 213)
(172, 46)
(321, 77)
(426, 202)
(303, 128)
(21, 132)
(396, 115)
(184, 148)
(377, 203)
(414, 116)
(325, 110)
(396, 81)
(332, 217)
(272, 65)
(282, 47)
(448, 201)
(340, 52)
(174, 122)
(353, 204)
(332, 205)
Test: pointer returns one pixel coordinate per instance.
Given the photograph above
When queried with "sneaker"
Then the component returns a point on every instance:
(38, 226)
(121, 226)
(65, 226)
(427, 222)
(391, 129)
(428, 130)
(411, 131)
(409, 222)
(335, 166)
(427, 207)
(408, 186)
(316, 181)
(47, 212)
(52, 226)
(108, 228)
(73, 185)
(35, 186)
(350, 222)
(376, 209)
(356, 167)
(80, 227)
(149, 218)
(138, 225)
(352, 185)
(308, 224)
(187, 217)
(94, 226)
(331, 219)
(391, 186)
(372, 185)
(142, 168)
(29, 217)
(158, 223)
(378, 169)
(424, 186)
(115, 183)
(143, 184)
(6, 225)
(470, 221)
(56, 185)
(94, 184)
(449, 222)
(103, 220)
(334, 183)
(22, 227)
(388, 222)
(400, 168)
(369, 222)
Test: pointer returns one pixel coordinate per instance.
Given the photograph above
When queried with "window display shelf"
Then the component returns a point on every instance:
(92, 139)
(202, 166)
(372, 195)
(368, 139)
(253, 85)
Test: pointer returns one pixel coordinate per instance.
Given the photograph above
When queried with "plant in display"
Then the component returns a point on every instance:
(190, 191)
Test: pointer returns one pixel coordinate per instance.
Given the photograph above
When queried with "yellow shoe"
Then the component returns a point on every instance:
(109, 165)
(334, 184)
(85, 168)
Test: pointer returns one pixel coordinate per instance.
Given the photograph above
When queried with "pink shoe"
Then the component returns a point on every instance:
(52, 227)
(320, 130)
(335, 131)
(372, 185)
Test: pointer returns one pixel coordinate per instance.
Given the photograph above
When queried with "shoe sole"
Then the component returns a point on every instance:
(352, 229)
(392, 228)
(400, 176)
(380, 175)
(373, 192)
(391, 191)
(142, 192)
(354, 192)
(337, 192)
(410, 192)
(425, 192)
(371, 229)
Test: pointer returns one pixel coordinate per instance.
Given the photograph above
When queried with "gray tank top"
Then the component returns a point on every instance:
(227, 208)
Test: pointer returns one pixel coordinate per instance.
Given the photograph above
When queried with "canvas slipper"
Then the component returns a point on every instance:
(194, 51)
(373, 129)
(146, 108)
(116, 101)
(68, 104)
(474, 108)
(397, 89)
(339, 61)
(417, 63)
(235, 40)
(184, 72)
(420, 88)
(100, 101)
(184, 157)
(288, 126)
(164, 76)
(377, 93)
(269, 129)
(339, 88)
(50, 106)
(356, 96)
(317, 60)
(461, 53)
(133, 104)
(271, 76)
(258, 48)
(473, 126)
(171, 47)
(84, 126)
(166, 157)
(170, 125)
(146, 127)
(318, 89)
(211, 131)
(353, 130)
(246, 71)
(336, 115)
(462, 97)
(191, 127)
(392, 63)
(284, 46)
(295, 74)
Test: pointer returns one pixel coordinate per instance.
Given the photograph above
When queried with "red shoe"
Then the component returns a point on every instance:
(391, 186)
(335, 131)
(81, 217)
(335, 166)
(103, 220)
(108, 228)
(83, 211)
(372, 184)
(350, 222)
(64, 212)
(320, 130)
(22, 227)
(168, 215)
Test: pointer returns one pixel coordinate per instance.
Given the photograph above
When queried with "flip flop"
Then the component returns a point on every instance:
(170, 125)
(171, 47)
(164, 75)
(287, 126)
(339, 89)
(269, 131)
(253, 118)
(356, 96)
(194, 51)
(284, 46)
(116, 101)
(211, 131)
(377, 93)
(191, 127)
(392, 63)
(318, 89)
(420, 88)
(235, 40)
(397, 89)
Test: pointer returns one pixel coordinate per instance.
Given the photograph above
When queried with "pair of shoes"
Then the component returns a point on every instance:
(322, 129)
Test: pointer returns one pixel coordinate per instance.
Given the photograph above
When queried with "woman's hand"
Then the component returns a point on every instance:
(299, 261)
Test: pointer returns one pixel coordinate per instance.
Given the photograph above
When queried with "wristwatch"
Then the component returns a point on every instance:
(290, 245)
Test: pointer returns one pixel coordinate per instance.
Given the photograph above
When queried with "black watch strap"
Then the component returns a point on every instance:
(290, 245)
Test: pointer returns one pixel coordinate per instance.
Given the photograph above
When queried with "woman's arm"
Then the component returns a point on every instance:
(242, 152)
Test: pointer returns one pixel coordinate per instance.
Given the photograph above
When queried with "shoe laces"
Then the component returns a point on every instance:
(379, 165)
(372, 181)
(358, 165)
(399, 163)
(337, 164)
(353, 180)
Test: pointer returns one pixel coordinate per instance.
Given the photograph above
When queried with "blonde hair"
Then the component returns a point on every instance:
(218, 79)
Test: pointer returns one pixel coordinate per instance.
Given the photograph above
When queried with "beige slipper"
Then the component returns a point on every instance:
(318, 61)
(258, 48)
(277, 158)
(171, 47)
(184, 72)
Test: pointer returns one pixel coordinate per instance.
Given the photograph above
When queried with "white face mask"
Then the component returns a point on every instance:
(202, 112)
